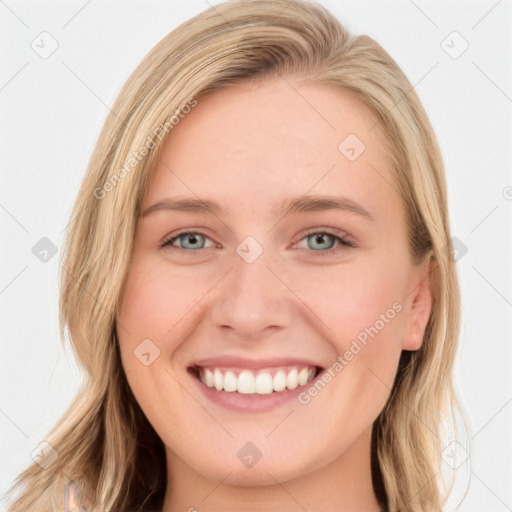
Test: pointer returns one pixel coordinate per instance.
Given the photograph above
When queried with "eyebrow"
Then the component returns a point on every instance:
(311, 203)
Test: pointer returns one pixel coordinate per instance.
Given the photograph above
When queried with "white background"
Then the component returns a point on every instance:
(52, 111)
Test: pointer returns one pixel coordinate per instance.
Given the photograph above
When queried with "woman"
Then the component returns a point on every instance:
(257, 281)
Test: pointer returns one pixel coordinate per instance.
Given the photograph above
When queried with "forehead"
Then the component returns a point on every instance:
(253, 144)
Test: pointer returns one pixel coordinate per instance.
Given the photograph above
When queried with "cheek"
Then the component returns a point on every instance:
(354, 297)
(362, 305)
(156, 300)
(154, 305)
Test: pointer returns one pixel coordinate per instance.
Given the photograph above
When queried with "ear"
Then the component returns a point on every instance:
(420, 304)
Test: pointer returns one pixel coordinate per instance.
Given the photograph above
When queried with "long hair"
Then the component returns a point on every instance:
(103, 440)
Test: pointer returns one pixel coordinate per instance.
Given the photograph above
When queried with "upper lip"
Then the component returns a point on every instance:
(251, 364)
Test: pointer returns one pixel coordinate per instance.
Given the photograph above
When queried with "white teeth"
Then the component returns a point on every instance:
(303, 376)
(246, 384)
(230, 382)
(262, 383)
(218, 379)
(208, 375)
(292, 379)
(279, 381)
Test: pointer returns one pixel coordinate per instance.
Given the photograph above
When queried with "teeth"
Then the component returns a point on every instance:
(261, 383)
(279, 381)
(246, 383)
(292, 379)
(230, 382)
(218, 379)
(303, 376)
(264, 384)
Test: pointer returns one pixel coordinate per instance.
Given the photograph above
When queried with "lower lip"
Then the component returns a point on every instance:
(250, 403)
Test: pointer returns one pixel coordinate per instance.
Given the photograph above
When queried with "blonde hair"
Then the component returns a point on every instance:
(103, 439)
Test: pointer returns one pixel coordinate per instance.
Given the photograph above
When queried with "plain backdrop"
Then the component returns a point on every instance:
(62, 65)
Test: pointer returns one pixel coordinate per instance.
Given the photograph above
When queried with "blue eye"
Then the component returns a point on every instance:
(192, 241)
(325, 241)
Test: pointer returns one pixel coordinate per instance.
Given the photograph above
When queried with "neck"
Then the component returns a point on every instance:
(343, 484)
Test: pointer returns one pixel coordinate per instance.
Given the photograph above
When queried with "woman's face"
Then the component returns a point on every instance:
(257, 299)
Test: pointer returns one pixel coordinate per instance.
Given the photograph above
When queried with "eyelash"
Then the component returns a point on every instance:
(166, 243)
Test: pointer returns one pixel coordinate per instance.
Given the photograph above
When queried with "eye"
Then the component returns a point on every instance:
(323, 241)
(188, 241)
(320, 241)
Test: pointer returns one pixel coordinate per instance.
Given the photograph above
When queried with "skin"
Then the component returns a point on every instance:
(249, 147)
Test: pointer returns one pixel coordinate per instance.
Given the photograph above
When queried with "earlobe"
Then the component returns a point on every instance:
(420, 307)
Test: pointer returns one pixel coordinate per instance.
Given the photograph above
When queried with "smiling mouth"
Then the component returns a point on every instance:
(266, 381)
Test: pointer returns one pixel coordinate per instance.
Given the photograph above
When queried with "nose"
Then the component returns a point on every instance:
(253, 299)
